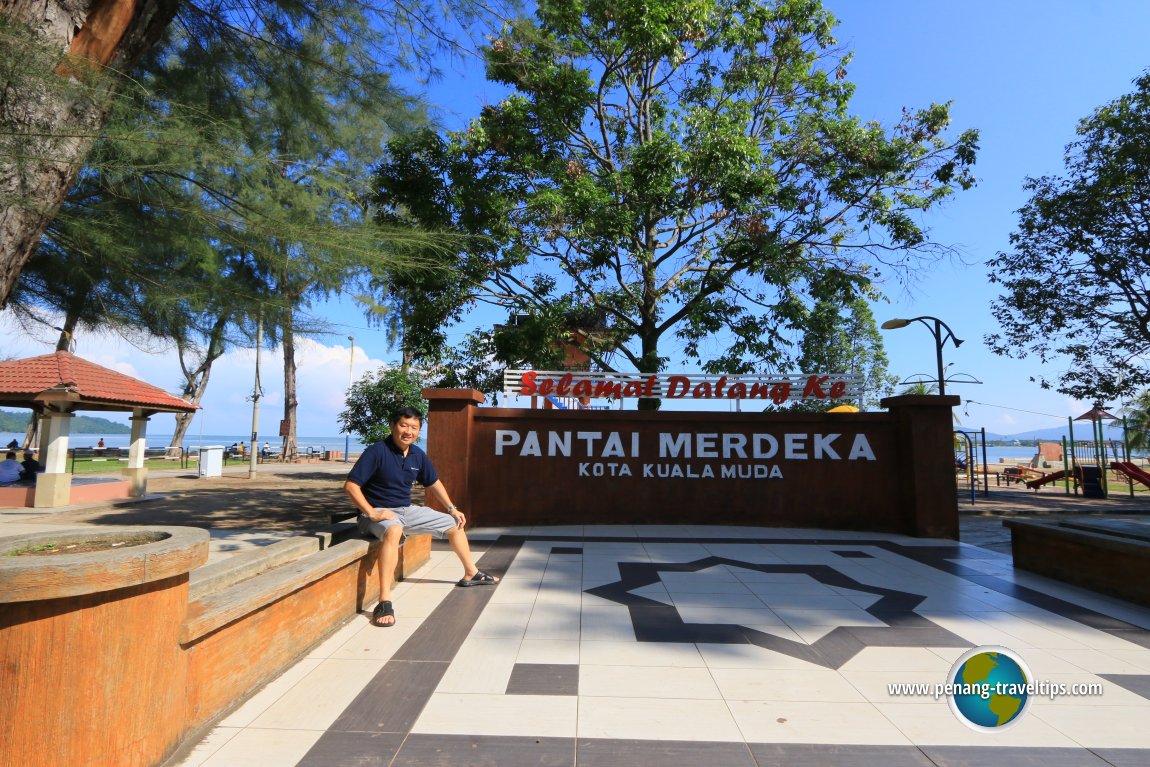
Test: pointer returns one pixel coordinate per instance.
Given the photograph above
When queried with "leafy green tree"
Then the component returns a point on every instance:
(376, 397)
(684, 170)
(1075, 280)
(845, 339)
(1137, 414)
(228, 185)
(61, 65)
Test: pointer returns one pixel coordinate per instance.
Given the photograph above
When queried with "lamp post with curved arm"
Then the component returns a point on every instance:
(350, 383)
(936, 327)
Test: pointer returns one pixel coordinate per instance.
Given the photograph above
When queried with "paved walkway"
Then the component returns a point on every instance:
(240, 512)
(615, 645)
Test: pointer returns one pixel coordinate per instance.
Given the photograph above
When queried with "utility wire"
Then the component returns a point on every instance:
(1015, 409)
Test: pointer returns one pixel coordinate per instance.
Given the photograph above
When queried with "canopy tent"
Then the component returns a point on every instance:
(56, 386)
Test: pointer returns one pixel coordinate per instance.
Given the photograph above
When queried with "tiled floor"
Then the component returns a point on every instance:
(718, 646)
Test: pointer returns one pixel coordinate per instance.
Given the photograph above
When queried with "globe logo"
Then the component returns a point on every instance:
(989, 688)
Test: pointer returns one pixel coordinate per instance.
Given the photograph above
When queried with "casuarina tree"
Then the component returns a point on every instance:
(688, 172)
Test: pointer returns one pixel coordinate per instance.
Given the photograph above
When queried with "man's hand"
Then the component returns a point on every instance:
(457, 515)
(379, 515)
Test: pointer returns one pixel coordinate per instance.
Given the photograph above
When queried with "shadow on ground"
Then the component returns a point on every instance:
(293, 503)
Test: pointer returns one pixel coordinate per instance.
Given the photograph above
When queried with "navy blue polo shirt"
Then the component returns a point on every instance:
(385, 474)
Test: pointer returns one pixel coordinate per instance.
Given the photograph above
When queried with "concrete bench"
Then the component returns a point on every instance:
(1108, 556)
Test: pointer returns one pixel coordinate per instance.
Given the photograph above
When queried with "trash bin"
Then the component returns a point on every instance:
(333, 455)
(212, 461)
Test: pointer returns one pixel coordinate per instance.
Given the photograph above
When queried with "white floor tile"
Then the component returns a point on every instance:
(655, 591)
(277, 688)
(897, 659)
(748, 656)
(607, 623)
(378, 642)
(260, 748)
(613, 653)
(1098, 726)
(516, 591)
(539, 716)
(656, 719)
(507, 621)
(1112, 694)
(973, 630)
(342, 635)
(742, 616)
(874, 686)
(320, 697)
(799, 619)
(550, 621)
(688, 601)
(933, 723)
(561, 651)
(1139, 658)
(482, 665)
(211, 743)
(820, 722)
(661, 682)
(785, 684)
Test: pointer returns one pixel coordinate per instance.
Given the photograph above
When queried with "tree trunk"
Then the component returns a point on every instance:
(196, 379)
(649, 364)
(32, 434)
(67, 333)
(54, 103)
(291, 444)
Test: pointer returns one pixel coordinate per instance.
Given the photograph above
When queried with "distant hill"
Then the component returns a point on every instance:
(1055, 434)
(17, 422)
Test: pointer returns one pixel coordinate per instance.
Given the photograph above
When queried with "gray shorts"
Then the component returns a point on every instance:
(413, 519)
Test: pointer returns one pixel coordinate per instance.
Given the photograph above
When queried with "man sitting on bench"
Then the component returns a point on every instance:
(380, 486)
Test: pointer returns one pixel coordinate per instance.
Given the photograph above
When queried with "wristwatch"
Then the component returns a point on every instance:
(452, 508)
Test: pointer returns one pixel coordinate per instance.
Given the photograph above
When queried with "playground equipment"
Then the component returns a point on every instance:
(1132, 472)
(1081, 465)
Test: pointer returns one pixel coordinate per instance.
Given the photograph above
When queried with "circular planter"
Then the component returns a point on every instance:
(171, 551)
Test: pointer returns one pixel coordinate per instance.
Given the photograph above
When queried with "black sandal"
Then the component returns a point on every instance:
(479, 579)
(383, 610)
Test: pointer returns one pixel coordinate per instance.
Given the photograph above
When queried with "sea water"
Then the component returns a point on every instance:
(193, 443)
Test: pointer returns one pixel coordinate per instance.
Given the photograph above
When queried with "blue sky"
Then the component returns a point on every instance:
(1023, 72)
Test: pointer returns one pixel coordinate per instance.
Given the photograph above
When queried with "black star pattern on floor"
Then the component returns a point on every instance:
(655, 621)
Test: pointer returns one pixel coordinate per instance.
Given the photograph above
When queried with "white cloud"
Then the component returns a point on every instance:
(321, 380)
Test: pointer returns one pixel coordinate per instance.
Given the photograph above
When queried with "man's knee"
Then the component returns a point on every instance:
(393, 533)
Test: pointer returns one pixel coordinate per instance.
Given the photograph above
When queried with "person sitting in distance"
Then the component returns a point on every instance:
(31, 467)
(9, 469)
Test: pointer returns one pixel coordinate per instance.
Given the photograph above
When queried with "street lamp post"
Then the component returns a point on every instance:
(936, 327)
(350, 382)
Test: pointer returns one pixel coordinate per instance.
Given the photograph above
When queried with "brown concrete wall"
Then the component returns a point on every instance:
(890, 471)
(121, 676)
(227, 664)
(1104, 563)
(87, 679)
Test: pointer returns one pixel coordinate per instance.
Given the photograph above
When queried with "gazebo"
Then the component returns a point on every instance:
(58, 385)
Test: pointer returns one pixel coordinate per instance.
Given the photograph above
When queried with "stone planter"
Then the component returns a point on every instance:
(90, 661)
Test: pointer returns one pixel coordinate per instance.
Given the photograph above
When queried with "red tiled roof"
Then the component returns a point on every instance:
(64, 377)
